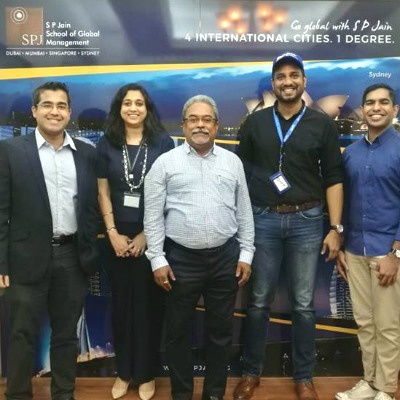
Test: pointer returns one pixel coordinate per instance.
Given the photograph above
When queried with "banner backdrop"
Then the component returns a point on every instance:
(179, 48)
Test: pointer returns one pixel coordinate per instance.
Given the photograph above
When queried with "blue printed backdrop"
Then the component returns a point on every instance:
(230, 86)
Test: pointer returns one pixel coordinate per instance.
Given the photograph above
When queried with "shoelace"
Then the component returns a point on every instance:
(358, 384)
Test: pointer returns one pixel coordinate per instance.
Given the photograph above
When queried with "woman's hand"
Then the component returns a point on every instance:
(120, 243)
(137, 245)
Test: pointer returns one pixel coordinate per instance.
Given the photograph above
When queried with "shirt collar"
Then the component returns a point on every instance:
(383, 137)
(189, 149)
(41, 141)
(303, 104)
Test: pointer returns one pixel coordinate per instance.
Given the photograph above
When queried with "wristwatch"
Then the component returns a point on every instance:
(396, 252)
(337, 228)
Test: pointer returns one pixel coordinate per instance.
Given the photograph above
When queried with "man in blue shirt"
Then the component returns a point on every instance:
(371, 260)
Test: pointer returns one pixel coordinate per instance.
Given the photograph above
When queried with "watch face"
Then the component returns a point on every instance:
(397, 253)
(337, 228)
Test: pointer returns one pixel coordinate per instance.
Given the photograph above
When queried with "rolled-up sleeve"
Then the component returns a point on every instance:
(331, 159)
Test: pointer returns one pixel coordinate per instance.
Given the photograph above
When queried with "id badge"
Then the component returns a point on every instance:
(280, 183)
(132, 199)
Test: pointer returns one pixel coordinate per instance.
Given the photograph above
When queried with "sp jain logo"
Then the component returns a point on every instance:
(24, 26)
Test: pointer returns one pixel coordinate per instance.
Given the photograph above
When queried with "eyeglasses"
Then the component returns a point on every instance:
(49, 106)
(207, 120)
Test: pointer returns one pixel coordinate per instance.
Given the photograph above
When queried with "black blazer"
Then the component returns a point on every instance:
(26, 225)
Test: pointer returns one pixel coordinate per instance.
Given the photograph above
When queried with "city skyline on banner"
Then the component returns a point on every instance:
(233, 87)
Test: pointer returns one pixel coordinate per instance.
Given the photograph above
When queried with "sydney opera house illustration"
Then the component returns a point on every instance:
(349, 121)
(330, 105)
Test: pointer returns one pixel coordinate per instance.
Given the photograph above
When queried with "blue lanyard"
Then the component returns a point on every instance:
(288, 133)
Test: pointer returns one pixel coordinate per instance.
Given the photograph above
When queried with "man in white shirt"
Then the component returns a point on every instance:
(199, 229)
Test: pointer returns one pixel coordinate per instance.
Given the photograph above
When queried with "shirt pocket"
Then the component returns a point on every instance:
(226, 184)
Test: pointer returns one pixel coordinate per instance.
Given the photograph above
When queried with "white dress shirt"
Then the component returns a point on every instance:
(62, 188)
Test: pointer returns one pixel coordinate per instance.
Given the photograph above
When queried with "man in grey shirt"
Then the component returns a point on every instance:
(199, 228)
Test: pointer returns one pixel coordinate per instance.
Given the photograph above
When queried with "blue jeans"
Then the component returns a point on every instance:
(292, 240)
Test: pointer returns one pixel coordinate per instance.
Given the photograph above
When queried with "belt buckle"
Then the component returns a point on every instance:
(279, 207)
(53, 239)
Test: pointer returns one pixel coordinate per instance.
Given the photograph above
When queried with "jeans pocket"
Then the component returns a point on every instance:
(257, 211)
(314, 213)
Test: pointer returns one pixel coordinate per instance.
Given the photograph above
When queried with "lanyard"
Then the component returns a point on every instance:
(288, 133)
(132, 166)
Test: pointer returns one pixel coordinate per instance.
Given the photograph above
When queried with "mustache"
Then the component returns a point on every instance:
(200, 131)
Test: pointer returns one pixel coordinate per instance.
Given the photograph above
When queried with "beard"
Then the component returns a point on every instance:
(288, 99)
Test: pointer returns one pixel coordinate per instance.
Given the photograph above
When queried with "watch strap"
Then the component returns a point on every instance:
(337, 228)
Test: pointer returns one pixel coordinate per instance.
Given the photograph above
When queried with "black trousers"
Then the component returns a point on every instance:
(211, 273)
(138, 312)
(138, 305)
(61, 292)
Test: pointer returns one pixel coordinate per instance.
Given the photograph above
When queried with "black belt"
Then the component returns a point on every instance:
(62, 239)
(212, 250)
(292, 208)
